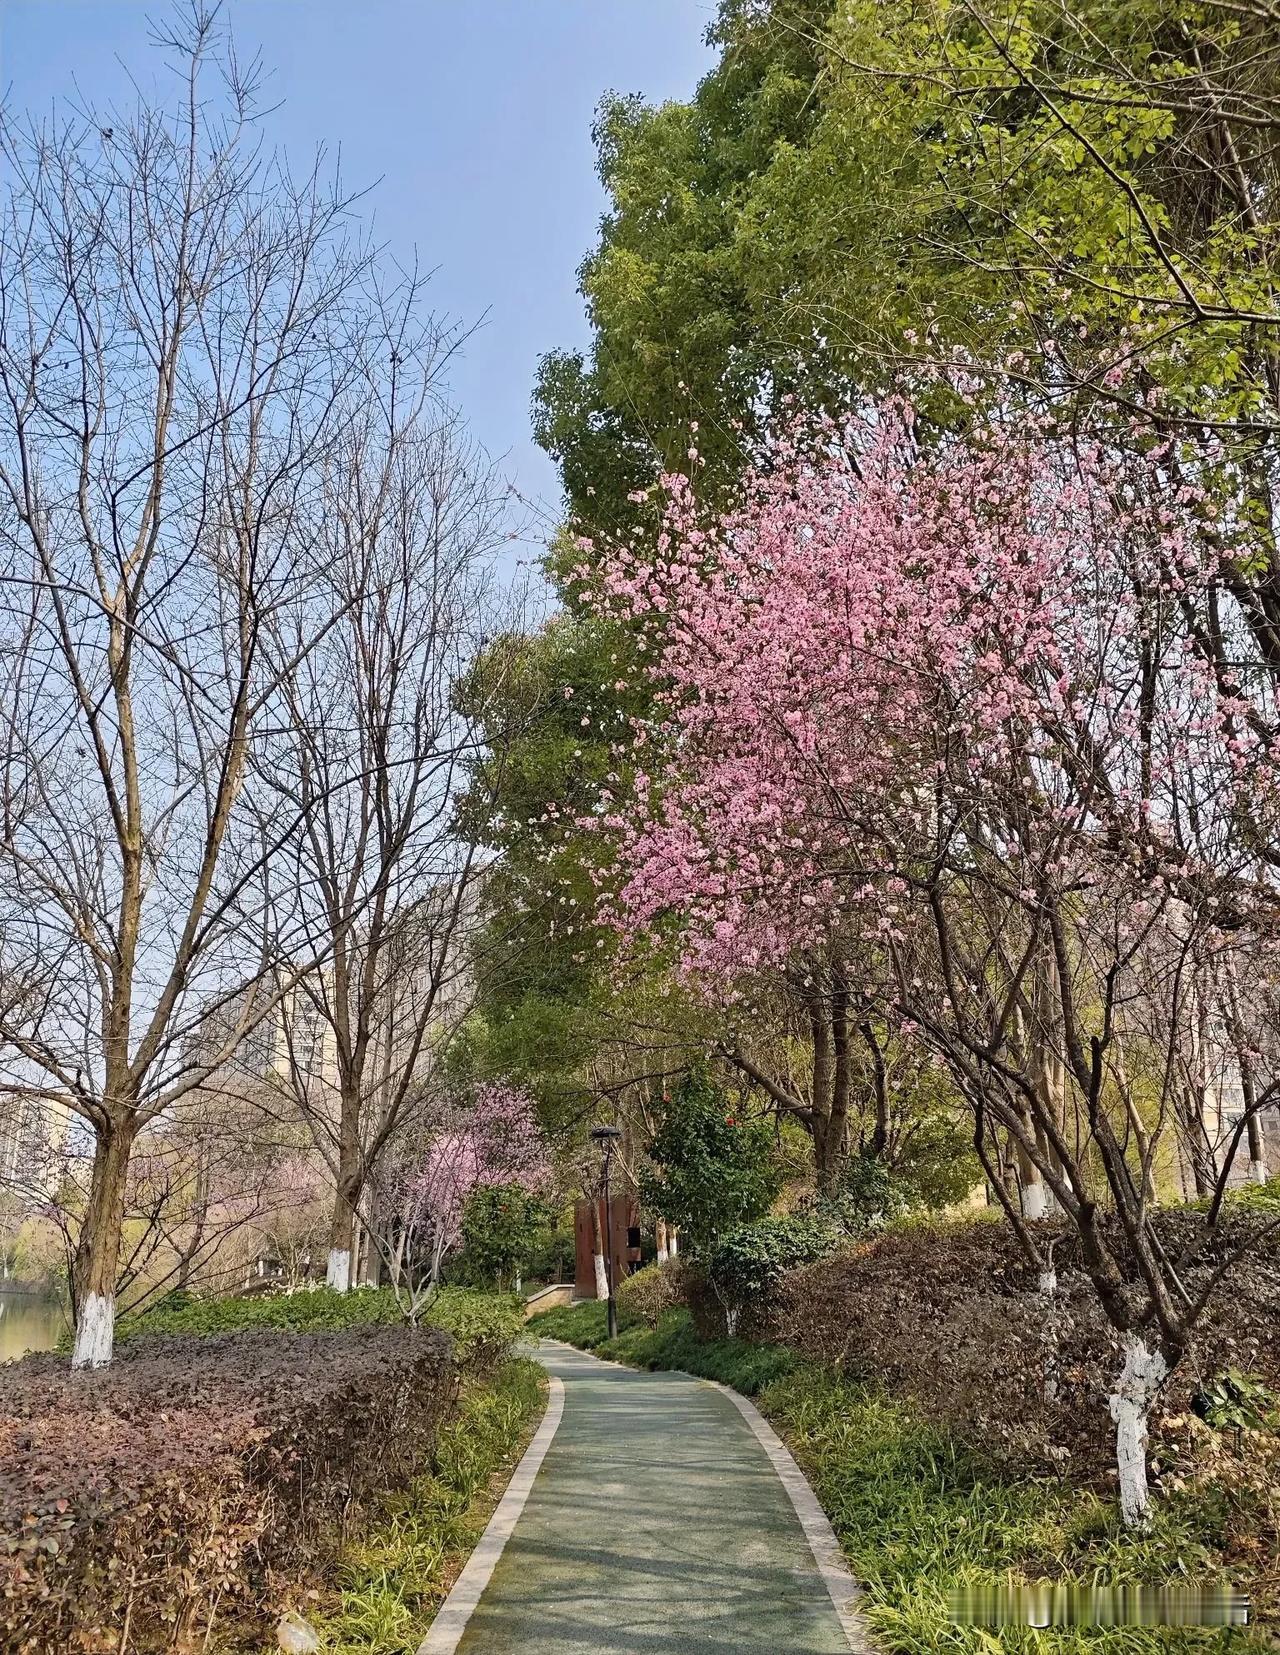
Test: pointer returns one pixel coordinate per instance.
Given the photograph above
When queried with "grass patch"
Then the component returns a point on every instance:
(310, 1310)
(484, 1325)
(582, 1324)
(919, 1515)
(397, 1573)
(672, 1344)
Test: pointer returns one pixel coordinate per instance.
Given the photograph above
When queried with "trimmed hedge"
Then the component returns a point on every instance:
(138, 1502)
(310, 1310)
(946, 1313)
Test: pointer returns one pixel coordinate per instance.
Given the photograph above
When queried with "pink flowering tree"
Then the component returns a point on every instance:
(975, 734)
(488, 1140)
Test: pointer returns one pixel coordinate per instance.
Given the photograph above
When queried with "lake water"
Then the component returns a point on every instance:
(28, 1322)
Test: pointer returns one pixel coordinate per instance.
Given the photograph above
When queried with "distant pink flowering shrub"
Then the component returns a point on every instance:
(491, 1138)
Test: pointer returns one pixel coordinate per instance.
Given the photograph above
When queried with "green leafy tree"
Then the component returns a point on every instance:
(712, 1168)
(677, 336)
(1076, 197)
(547, 756)
(503, 1227)
(552, 1012)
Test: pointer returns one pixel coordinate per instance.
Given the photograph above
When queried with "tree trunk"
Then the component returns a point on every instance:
(826, 1147)
(673, 1241)
(660, 1236)
(880, 1085)
(597, 1253)
(1035, 1194)
(371, 1261)
(340, 1274)
(1141, 1380)
(98, 1252)
(1204, 1171)
(837, 1134)
(1248, 1091)
(1253, 1126)
(192, 1252)
(341, 1237)
(1199, 1153)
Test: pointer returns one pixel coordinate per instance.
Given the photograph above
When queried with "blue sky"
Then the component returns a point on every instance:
(475, 117)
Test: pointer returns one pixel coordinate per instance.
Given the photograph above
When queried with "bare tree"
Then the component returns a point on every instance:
(1072, 1015)
(374, 762)
(180, 336)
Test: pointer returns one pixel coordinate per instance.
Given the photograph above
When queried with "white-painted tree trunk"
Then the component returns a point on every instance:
(338, 1275)
(602, 1276)
(1035, 1199)
(1047, 1282)
(1144, 1372)
(95, 1332)
(1258, 1171)
(673, 1241)
(660, 1236)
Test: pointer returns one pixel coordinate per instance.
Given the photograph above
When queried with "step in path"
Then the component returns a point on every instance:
(654, 1514)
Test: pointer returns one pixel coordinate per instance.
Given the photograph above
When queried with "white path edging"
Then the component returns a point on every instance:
(456, 1610)
(828, 1554)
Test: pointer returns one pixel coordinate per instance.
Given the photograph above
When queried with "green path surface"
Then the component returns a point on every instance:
(656, 1524)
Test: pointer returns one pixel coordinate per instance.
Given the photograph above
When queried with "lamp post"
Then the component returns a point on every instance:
(606, 1137)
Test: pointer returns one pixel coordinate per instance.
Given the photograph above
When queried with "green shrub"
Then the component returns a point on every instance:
(649, 1293)
(484, 1326)
(712, 1169)
(502, 1227)
(748, 1260)
(1235, 1401)
(584, 1325)
(311, 1310)
(867, 1196)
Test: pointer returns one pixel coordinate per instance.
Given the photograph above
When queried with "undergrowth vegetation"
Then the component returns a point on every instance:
(919, 1514)
(482, 1325)
(396, 1573)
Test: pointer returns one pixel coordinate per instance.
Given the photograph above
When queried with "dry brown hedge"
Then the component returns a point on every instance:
(140, 1502)
(946, 1314)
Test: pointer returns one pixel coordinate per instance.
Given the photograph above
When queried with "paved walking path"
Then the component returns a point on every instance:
(657, 1525)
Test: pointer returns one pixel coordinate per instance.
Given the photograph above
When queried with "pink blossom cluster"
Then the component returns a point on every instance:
(895, 651)
(490, 1139)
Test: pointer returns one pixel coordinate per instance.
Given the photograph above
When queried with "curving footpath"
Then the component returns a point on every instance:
(654, 1514)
